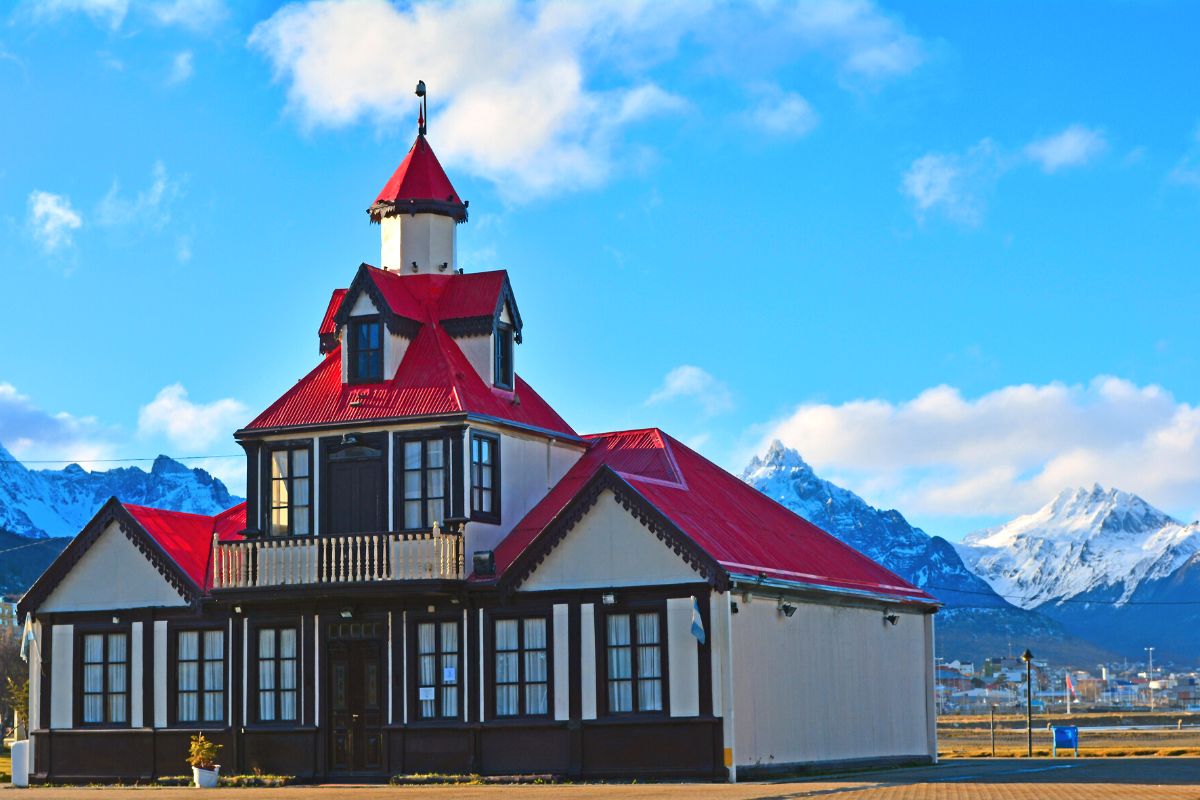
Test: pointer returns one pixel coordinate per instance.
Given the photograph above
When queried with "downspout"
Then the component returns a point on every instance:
(727, 688)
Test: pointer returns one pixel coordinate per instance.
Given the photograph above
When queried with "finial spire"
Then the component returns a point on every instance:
(423, 110)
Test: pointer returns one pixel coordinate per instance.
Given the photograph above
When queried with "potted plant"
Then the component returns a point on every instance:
(203, 757)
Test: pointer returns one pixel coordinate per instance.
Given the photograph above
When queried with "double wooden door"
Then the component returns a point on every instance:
(356, 699)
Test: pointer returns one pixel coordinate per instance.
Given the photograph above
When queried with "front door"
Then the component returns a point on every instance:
(355, 703)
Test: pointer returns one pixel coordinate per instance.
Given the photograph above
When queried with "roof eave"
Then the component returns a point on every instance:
(747, 581)
(394, 208)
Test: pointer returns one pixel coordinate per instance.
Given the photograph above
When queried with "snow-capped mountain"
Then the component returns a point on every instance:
(929, 562)
(1101, 542)
(41, 503)
(975, 622)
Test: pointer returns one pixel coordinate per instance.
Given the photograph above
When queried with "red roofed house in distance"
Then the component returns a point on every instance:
(434, 572)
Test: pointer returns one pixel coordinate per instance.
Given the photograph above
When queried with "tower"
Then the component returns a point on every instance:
(418, 211)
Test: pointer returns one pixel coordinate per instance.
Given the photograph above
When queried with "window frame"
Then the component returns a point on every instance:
(490, 621)
(493, 516)
(632, 608)
(173, 632)
(353, 324)
(503, 356)
(78, 693)
(254, 658)
(268, 503)
(414, 677)
(448, 477)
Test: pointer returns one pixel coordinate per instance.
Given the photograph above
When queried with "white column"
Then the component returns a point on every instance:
(683, 652)
(160, 673)
(562, 662)
(136, 678)
(35, 681)
(587, 658)
(62, 675)
(727, 691)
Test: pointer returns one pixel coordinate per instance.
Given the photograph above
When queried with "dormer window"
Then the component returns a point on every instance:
(504, 356)
(366, 350)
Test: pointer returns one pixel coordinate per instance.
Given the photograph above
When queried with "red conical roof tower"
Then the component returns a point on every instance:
(419, 184)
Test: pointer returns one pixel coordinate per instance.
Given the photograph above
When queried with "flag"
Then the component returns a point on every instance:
(26, 637)
(697, 622)
(1070, 686)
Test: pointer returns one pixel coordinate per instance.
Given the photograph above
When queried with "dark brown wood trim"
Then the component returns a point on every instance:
(78, 633)
(268, 450)
(174, 628)
(450, 614)
(633, 502)
(490, 617)
(494, 516)
(147, 670)
(632, 607)
(253, 499)
(449, 470)
(327, 447)
(575, 713)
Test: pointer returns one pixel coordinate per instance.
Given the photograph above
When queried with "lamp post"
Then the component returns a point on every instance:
(1027, 657)
(1150, 683)
(992, 726)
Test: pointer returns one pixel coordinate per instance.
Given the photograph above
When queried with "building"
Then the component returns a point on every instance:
(434, 572)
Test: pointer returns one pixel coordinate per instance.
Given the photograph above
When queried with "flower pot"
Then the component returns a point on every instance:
(206, 778)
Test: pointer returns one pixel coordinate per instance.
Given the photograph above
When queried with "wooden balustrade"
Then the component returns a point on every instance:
(324, 560)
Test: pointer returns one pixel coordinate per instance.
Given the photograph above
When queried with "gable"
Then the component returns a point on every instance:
(112, 574)
(609, 547)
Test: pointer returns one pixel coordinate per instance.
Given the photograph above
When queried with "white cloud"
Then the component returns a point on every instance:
(196, 15)
(187, 425)
(110, 13)
(782, 113)
(1187, 170)
(1072, 147)
(151, 207)
(30, 432)
(52, 220)
(1008, 451)
(193, 14)
(952, 183)
(181, 68)
(537, 97)
(869, 42)
(687, 381)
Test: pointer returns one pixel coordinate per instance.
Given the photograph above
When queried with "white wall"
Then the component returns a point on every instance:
(529, 467)
(62, 675)
(136, 678)
(35, 678)
(111, 575)
(828, 684)
(587, 658)
(479, 350)
(607, 548)
(428, 239)
(160, 672)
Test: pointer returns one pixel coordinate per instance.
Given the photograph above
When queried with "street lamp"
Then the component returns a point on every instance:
(1150, 683)
(1027, 657)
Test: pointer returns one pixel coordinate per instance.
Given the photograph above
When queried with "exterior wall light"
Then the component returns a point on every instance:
(787, 609)
(346, 613)
(890, 617)
(608, 598)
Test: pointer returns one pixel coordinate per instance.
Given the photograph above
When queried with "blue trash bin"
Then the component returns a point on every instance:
(1066, 737)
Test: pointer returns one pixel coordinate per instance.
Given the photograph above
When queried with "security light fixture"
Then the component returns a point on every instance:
(237, 609)
(733, 608)
(116, 620)
(484, 562)
(891, 617)
(787, 609)
(347, 613)
(608, 598)
(349, 438)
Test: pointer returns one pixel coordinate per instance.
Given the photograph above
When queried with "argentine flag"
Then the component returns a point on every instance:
(697, 622)
(26, 637)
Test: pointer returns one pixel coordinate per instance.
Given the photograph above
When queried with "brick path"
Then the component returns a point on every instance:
(999, 779)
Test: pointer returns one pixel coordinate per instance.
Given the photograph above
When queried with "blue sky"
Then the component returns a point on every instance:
(946, 250)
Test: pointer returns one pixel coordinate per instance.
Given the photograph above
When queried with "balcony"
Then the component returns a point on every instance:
(342, 560)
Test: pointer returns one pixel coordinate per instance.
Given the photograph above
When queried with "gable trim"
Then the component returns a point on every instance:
(484, 325)
(363, 282)
(111, 512)
(638, 507)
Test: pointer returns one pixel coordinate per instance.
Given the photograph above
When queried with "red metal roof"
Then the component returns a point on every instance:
(419, 177)
(335, 302)
(441, 297)
(188, 538)
(743, 530)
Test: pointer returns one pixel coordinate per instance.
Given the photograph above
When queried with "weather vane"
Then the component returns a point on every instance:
(424, 108)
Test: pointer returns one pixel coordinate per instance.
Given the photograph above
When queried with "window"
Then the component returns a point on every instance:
(425, 482)
(437, 670)
(522, 674)
(276, 674)
(634, 663)
(291, 492)
(200, 676)
(366, 350)
(504, 356)
(106, 679)
(485, 478)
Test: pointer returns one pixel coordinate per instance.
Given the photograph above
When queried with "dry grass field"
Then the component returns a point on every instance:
(969, 737)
